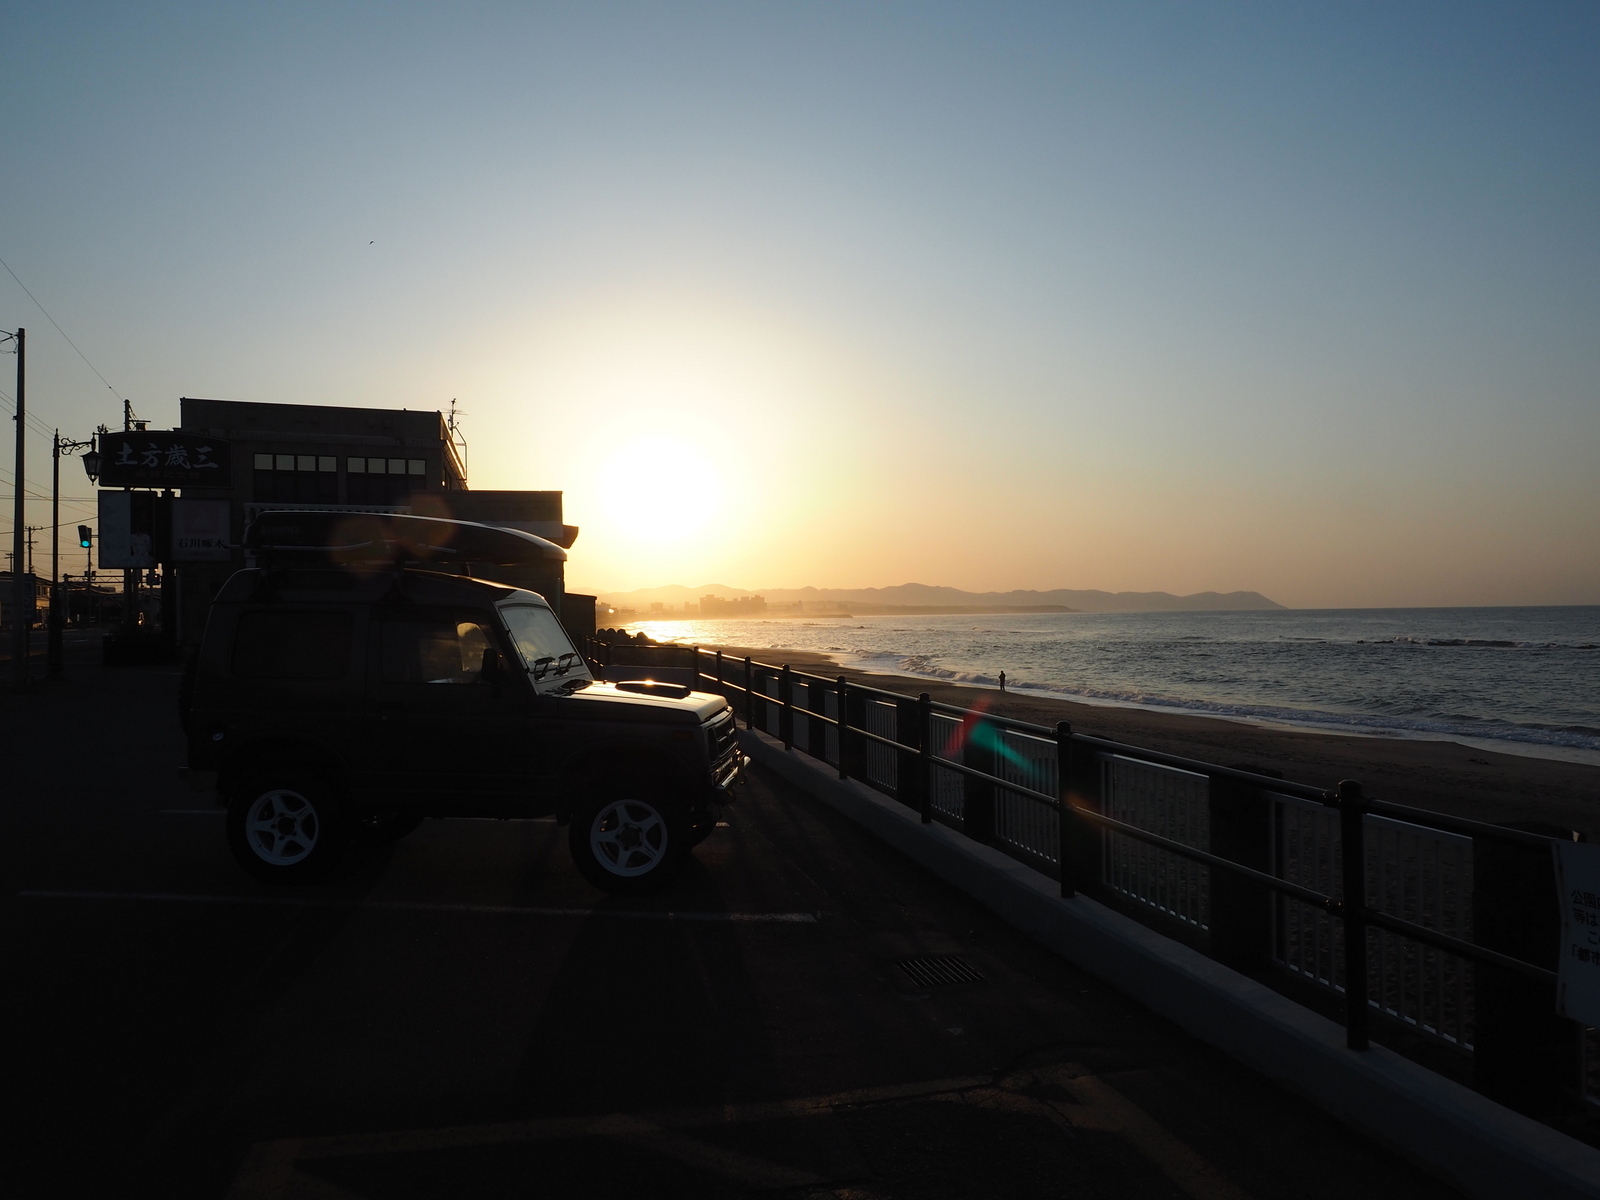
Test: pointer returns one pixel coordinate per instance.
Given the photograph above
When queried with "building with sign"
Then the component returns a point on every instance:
(322, 458)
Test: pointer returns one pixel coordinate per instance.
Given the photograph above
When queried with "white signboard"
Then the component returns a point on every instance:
(200, 531)
(120, 545)
(1578, 888)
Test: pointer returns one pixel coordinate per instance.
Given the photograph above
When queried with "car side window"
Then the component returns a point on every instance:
(292, 645)
(431, 650)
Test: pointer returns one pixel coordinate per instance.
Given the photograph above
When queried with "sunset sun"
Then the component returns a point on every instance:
(660, 489)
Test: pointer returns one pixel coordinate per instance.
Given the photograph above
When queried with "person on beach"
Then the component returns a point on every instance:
(1002, 681)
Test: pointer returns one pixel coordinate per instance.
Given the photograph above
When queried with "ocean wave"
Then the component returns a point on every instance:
(1485, 643)
(1571, 736)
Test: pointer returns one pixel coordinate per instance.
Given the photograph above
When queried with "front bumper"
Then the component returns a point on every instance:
(728, 775)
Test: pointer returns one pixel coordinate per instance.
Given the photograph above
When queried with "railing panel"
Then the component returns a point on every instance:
(949, 798)
(768, 711)
(1417, 874)
(1423, 876)
(1307, 940)
(883, 766)
(1019, 820)
(800, 701)
(1170, 802)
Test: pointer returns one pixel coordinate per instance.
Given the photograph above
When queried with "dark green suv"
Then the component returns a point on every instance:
(349, 697)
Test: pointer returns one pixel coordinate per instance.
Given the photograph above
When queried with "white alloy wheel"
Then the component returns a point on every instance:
(628, 837)
(281, 827)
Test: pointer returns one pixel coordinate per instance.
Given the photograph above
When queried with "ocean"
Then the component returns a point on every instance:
(1517, 680)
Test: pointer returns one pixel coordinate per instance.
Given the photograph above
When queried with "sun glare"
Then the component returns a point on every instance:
(661, 489)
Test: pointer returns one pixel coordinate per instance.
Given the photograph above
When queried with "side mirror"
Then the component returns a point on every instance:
(493, 668)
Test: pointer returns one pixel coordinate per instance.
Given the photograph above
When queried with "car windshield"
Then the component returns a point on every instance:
(545, 648)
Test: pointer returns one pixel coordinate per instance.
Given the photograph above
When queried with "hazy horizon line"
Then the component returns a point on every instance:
(733, 592)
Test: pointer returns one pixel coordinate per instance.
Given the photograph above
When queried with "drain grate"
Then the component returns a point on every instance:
(940, 970)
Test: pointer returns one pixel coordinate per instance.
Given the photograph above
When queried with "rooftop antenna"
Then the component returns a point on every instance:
(458, 442)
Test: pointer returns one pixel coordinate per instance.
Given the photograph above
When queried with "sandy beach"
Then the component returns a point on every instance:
(1439, 775)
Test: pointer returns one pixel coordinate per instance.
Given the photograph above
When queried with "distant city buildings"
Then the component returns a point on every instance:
(744, 606)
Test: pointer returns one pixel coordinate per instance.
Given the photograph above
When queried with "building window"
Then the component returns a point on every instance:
(384, 480)
(296, 478)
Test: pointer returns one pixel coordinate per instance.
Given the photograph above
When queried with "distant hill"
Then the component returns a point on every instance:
(922, 595)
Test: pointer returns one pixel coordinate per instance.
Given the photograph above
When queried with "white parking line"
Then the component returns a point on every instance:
(513, 910)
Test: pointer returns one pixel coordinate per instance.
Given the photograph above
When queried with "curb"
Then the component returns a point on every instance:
(1484, 1149)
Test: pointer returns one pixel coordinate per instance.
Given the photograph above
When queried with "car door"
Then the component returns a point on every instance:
(445, 735)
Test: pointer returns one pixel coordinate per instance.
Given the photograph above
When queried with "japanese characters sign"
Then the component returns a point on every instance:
(200, 531)
(160, 458)
(1578, 974)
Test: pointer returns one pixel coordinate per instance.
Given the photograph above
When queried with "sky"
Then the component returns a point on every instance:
(1301, 299)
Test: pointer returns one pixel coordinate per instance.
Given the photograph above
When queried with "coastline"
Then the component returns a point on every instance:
(1443, 776)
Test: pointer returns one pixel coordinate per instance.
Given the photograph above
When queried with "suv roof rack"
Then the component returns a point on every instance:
(395, 539)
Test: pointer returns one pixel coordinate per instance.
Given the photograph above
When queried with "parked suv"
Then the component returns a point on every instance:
(346, 701)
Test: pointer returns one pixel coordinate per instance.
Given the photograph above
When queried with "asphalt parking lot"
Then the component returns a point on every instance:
(462, 1015)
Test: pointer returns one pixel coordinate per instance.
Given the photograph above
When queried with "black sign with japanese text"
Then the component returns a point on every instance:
(160, 458)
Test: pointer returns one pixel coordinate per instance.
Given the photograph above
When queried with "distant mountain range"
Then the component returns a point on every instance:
(925, 596)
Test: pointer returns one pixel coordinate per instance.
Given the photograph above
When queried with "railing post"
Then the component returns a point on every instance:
(720, 692)
(1067, 840)
(844, 728)
(1353, 880)
(786, 712)
(925, 755)
(749, 696)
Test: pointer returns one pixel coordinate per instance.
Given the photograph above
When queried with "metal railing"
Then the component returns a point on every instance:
(1254, 870)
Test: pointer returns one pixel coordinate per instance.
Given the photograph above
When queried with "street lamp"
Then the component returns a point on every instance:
(91, 464)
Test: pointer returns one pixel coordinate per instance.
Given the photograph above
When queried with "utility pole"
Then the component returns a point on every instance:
(130, 577)
(21, 599)
(57, 600)
(52, 637)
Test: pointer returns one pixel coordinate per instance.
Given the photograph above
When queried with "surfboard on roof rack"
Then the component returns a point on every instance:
(395, 538)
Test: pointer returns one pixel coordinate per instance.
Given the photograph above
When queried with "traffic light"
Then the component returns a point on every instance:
(85, 536)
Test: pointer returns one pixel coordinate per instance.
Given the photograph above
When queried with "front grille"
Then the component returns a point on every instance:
(721, 735)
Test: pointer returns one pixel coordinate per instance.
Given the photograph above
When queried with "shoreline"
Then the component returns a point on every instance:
(1510, 747)
(1476, 781)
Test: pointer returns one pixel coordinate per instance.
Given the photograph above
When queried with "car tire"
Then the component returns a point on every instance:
(629, 836)
(383, 828)
(286, 827)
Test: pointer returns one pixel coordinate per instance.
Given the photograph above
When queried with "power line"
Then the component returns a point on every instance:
(34, 421)
(60, 330)
(10, 480)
